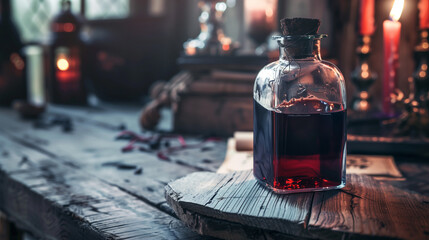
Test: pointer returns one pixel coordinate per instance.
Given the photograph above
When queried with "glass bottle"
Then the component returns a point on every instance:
(300, 119)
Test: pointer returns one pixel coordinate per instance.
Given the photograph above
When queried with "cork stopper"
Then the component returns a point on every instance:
(299, 26)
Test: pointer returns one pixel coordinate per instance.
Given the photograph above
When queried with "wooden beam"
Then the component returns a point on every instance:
(237, 203)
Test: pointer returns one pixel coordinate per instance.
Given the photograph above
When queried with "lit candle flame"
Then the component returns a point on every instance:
(396, 11)
(269, 12)
(62, 64)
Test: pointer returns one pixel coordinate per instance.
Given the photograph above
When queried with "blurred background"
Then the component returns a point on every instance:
(132, 43)
(178, 54)
(189, 66)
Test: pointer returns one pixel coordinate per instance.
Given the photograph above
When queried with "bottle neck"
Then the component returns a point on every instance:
(66, 6)
(300, 48)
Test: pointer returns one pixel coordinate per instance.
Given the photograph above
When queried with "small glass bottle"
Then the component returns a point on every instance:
(300, 115)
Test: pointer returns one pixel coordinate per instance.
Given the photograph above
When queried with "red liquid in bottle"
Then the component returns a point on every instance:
(300, 151)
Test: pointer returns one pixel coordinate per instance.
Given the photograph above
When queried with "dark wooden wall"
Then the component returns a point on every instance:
(140, 49)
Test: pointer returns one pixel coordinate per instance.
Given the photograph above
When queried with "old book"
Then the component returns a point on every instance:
(220, 88)
(233, 76)
(381, 167)
(214, 115)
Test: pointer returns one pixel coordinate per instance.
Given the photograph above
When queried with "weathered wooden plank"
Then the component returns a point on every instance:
(96, 129)
(88, 148)
(205, 158)
(93, 149)
(230, 197)
(416, 174)
(58, 201)
(373, 208)
(365, 208)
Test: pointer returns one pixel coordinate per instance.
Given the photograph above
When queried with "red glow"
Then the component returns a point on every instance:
(225, 47)
(367, 26)
(68, 27)
(63, 27)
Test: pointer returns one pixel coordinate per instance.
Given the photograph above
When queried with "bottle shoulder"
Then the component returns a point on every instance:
(332, 67)
(286, 81)
(288, 70)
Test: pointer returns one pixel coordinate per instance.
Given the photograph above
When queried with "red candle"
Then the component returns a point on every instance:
(367, 17)
(391, 36)
(424, 14)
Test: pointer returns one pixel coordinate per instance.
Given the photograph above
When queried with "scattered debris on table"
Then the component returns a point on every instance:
(162, 144)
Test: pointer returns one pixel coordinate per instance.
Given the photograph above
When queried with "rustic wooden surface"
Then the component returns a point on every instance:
(79, 185)
(365, 208)
(73, 185)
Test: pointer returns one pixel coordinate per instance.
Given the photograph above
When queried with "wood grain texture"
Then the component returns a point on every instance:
(365, 208)
(92, 147)
(57, 201)
(64, 185)
(34, 160)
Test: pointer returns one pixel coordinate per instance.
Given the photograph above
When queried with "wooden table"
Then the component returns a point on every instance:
(80, 185)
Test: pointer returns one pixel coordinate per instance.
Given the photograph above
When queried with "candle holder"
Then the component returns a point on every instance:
(414, 121)
(260, 18)
(363, 77)
(211, 40)
(421, 74)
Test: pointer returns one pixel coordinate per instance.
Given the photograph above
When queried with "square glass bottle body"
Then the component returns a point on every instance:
(299, 152)
(300, 120)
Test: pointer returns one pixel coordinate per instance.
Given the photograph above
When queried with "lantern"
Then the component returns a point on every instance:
(67, 74)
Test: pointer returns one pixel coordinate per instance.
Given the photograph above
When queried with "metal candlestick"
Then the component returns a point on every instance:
(363, 77)
(421, 74)
(414, 120)
(211, 40)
